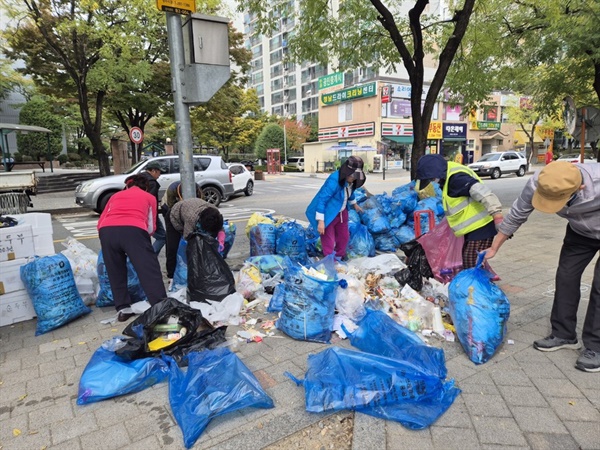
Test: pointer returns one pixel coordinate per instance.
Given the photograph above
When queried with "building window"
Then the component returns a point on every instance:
(257, 78)
(276, 97)
(276, 84)
(471, 144)
(260, 89)
(345, 112)
(275, 43)
(276, 57)
(257, 51)
(276, 70)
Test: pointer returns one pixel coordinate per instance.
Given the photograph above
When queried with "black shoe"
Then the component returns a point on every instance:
(552, 343)
(124, 316)
(589, 361)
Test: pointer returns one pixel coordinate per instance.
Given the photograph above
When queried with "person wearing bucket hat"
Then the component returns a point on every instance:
(471, 208)
(572, 191)
(151, 172)
(328, 212)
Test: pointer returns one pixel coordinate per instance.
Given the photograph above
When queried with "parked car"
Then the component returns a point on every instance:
(243, 180)
(297, 162)
(497, 163)
(210, 172)
(574, 158)
(249, 164)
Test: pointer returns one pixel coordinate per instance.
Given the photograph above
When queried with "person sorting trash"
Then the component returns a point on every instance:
(151, 173)
(572, 191)
(471, 208)
(194, 214)
(328, 211)
(124, 229)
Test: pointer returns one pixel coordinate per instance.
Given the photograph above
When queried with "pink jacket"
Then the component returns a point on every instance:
(131, 207)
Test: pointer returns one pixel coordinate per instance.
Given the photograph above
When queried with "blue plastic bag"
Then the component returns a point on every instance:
(230, 231)
(51, 286)
(361, 242)
(479, 311)
(263, 239)
(378, 333)
(313, 241)
(360, 195)
(339, 379)
(291, 241)
(353, 216)
(216, 382)
(405, 197)
(181, 268)
(105, 296)
(270, 264)
(309, 303)
(404, 234)
(386, 242)
(108, 375)
(276, 302)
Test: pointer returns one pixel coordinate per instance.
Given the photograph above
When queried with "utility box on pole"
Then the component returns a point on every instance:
(206, 52)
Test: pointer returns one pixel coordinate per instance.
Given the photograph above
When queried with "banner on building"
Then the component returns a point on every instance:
(353, 93)
(350, 131)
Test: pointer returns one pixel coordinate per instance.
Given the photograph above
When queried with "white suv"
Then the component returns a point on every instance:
(210, 172)
(497, 163)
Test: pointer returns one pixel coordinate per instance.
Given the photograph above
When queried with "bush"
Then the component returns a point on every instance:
(17, 157)
(62, 158)
(27, 158)
(290, 169)
(74, 157)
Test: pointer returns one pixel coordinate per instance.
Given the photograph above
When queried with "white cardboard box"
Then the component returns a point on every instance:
(10, 275)
(41, 229)
(16, 242)
(15, 307)
(44, 245)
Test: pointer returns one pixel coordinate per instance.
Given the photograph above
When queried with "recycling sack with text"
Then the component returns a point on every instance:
(51, 286)
(479, 311)
(105, 296)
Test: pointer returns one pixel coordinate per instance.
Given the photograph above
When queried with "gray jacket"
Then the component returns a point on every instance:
(186, 213)
(583, 214)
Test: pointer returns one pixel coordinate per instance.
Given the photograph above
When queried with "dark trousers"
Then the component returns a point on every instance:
(117, 244)
(576, 253)
(172, 243)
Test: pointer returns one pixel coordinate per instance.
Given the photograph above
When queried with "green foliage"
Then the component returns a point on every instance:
(270, 137)
(74, 157)
(39, 112)
(62, 158)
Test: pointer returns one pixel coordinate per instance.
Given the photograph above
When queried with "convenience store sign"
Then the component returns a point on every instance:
(353, 93)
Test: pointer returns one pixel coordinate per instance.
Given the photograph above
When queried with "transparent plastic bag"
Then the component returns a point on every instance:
(444, 251)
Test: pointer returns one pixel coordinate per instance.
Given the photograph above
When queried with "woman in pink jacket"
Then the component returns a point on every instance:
(124, 228)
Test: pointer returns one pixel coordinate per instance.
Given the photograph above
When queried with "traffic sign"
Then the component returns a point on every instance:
(177, 6)
(136, 135)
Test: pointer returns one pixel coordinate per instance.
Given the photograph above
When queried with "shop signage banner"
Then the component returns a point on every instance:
(453, 112)
(404, 90)
(455, 131)
(350, 131)
(486, 125)
(353, 93)
(396, 129)
(435, 130)
(331, 80)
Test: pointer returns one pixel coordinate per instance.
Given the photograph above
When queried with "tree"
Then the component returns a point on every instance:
(77, 49)
(39, 112)
(312, 122)
(296, 134)
(270, 137)
(366, 33)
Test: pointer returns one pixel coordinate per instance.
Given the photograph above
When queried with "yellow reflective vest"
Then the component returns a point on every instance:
(463, 213)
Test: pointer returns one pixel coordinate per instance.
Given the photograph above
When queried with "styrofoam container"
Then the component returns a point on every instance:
(15, 307)
(44, 246)
(10, 275)
(41, 223)
(16, 242)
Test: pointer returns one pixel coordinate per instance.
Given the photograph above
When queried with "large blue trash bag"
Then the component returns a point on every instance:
(105, 296)
(361, 242)
(479, 311)
(404, 234)
(378, 333)
(181, 268)
(405, 197)
(382, 387)
(386, 242)
(313, 241)
(353, 216)
(276, 302)
(230, 231)
(263, 239)
(108, 375)
(51, 287)
(309, 303)
(360, 195)
(216, 382)
(291, 241)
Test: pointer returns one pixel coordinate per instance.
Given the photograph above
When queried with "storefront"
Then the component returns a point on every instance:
(398, 138)
(454, 143)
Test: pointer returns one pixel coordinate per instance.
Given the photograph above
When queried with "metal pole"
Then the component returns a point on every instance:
(284, 144)
(49, 153)
(582, 141)
(182, 110)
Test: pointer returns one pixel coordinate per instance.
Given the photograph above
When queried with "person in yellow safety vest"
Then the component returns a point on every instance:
(472, 209)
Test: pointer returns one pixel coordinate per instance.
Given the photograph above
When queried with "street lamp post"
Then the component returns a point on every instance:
(284, 144)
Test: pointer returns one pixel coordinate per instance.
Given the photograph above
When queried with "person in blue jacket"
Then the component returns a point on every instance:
(328, 212)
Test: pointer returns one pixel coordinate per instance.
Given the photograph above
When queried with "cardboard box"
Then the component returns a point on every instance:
(10, 275)
(44, 245)
(15, 307)
(16, 242)
(41, 223)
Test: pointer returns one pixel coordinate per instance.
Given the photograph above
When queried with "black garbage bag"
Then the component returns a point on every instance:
(200, 335)
(209, 276)
(418, 267)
